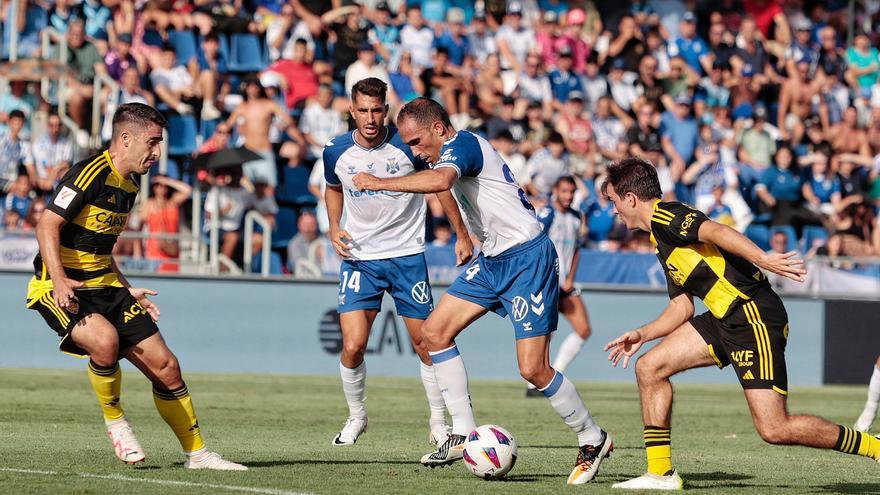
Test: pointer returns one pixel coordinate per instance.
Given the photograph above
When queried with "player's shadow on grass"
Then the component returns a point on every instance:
(715, 476)
(571, 447)
(850, 488)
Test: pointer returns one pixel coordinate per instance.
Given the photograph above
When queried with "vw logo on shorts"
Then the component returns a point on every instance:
(420, 293)
(520, 308)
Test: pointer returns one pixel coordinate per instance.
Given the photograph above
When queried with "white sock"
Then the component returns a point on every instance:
(569, 349)
(453, 382)
(435, 397)
(353, 385)
(113, 422)
(196, 453)
(567, 403)
(873, 394)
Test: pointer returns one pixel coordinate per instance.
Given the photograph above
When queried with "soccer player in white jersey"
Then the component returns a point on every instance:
(563, 225)
(382, 245)
(516, 274)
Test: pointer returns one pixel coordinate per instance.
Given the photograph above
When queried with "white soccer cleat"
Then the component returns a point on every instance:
(863, 424)
(212, 460)
(447, 453)
(649, 481)
(438, 434)
(125, 444)
(588, 460)
(351, 430)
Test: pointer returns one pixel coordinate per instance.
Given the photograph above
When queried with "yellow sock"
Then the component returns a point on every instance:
(175, 407)
(856, 442)
(107, 382)
(658, 447)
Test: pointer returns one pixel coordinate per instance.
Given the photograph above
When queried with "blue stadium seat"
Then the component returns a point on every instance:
(182, 130)
(293, 187)
(789, 232)
(285, 226)
(759, 234)
(275, 264)
(246, 53)
(184, 43)
(206, 128)
(810, 235)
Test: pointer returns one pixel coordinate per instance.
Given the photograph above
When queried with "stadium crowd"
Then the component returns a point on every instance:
(758, 112)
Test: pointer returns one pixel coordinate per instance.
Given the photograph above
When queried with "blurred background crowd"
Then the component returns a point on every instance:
(765, 114)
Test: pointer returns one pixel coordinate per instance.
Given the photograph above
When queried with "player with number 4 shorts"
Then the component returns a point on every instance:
(382, 245)
(516, 275)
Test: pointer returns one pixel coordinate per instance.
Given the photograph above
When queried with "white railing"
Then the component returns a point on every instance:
(101, 80)
(12, 25)
(250, 219)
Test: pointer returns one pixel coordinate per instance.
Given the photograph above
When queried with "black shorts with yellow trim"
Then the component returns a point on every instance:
(752, 338)
(133, 324)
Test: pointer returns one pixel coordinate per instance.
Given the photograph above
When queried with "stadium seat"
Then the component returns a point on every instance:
(293, 187)
(246, 53)
(206, 128)
(285, 226)
(789, 232)
(759, 234)
(810, 235)
(184, 43)
(182, 130)
(275, 264)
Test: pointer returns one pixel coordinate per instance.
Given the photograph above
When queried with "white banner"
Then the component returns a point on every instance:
(18, 251)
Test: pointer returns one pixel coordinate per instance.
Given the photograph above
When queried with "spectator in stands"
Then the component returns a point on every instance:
(575, 129)
(253, 119)
(307, 240)
(853, 178)
(629, 45)
(17, 98)
(600, 218)
(608, 131)
(407, 82)
(780, 189)
(534, 85)
(86, 63)
(690, 46)
(481, 40)
(130, 91)
(854, 225)
(365, 67)
(161, 215)
(285, 31)
(863, 62)
(515, 40)
(51, 153)
(563, 81)
(416, 38)
(546, 166)
(719, 211)
(756, 145)
(385, 34)
(679, 135)
(821, 190)
(14, 151)
(622, 88)
(17, 202)
(595, 84)
(35, 213)
(225, 206)
(847, 137)
(453, 39)
(442, 233)
(536, 129)
(451, 86)
(320, 122)
(182, 91)
(515, 160)
(120, 57)
(643, 136)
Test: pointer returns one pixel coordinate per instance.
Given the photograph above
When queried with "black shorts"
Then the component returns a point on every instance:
(752, 338)
(116, 304)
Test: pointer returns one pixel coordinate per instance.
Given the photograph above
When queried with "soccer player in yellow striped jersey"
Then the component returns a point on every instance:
(746, 325)
(78, 289)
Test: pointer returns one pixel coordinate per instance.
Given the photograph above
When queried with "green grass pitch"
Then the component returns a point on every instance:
(52, 440)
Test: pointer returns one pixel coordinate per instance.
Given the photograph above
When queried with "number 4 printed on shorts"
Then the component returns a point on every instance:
(352, 282)
(539, 301)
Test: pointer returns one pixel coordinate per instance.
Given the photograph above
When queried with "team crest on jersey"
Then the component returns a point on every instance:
(370, 167)
(391, 166)
(351, 170)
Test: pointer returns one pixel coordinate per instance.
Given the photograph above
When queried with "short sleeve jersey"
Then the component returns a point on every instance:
(496, 207)
(95, 200)
(383, 224)
(564, 228)
(721, 279)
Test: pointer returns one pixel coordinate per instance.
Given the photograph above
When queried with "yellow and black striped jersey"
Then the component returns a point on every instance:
(721, 279)
(95, 200)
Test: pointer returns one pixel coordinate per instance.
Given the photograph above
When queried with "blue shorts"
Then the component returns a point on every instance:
(522, 282)
(362, 284)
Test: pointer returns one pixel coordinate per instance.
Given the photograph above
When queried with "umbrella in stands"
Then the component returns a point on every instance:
(225, 158)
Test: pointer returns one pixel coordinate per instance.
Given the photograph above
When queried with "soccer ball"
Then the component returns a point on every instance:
(490, 452)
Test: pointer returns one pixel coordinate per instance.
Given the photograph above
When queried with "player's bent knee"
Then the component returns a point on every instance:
(646, 369)
(535, 373)
(169, 373)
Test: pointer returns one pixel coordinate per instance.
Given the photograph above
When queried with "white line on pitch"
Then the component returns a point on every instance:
(119, 477)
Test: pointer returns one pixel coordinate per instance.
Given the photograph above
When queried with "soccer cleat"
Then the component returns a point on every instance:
(588, 460)
(533, 392)
(351, 430)
(212, 460)
(650, 481)
(438, 434)
(863, 424)
(448, 453)
(125, 444)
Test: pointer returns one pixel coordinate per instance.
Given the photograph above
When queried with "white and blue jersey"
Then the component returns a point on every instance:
(563, 228)
(517, 272)
(495, 206)
(382, 224)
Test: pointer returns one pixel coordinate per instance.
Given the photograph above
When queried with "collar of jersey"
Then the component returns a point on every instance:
(452, 138)
(384, 140)
(116, 172)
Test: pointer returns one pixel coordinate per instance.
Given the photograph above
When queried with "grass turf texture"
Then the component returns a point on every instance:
(282, 427)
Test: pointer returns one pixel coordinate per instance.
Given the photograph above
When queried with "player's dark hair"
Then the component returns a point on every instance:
(633, 175)
(425, 112)
(565, 179)
(139, 115)
(370, 86)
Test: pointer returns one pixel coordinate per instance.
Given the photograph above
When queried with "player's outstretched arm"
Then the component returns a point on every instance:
(464, 247)
(425, 181)
(728, 239)
(680, 310)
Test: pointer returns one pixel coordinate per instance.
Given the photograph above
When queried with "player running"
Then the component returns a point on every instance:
(746, 324)
(516, 275)
(563, 225)
(382, 245)
(82, 295)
